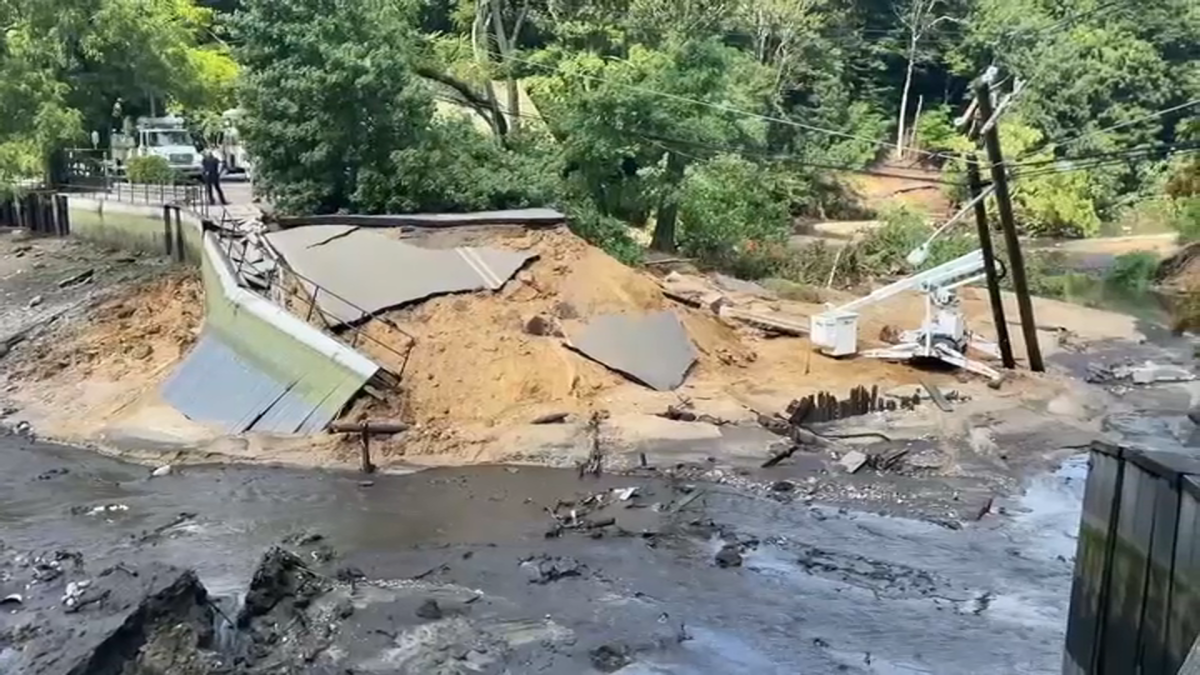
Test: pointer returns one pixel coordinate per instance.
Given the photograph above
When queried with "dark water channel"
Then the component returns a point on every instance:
(822, 590)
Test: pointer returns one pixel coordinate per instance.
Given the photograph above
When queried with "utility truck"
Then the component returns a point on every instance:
(165, 137)
(234, 159)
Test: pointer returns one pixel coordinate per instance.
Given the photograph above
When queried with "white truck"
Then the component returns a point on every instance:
(165, 137)
(234, 159)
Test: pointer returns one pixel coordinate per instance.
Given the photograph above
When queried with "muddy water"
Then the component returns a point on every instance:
(820, 590)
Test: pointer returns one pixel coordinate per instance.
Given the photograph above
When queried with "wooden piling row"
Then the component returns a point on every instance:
(826, 407)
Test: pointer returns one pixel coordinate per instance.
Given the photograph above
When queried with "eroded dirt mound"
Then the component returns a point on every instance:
(495, 357)
(143, 327)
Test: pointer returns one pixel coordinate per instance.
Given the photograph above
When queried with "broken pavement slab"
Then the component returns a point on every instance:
(364, 271)
(653, 348)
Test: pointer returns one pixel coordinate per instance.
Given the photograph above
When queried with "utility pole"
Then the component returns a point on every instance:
(975, 185)
(1016, 262)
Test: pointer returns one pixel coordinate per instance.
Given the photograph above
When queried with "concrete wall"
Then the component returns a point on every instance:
(1135, 601)
(135, 227)
(319, 370)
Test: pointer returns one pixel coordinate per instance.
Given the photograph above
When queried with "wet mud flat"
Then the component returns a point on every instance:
(215, 569)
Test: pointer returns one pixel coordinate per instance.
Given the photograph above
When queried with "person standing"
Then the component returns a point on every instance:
(210, 168)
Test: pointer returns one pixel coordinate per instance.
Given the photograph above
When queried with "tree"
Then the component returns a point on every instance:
(329, 96)
(919, 18)
(63, 65)
(630, 127)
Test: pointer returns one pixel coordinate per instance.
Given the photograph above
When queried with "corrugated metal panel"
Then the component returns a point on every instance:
(215, 385)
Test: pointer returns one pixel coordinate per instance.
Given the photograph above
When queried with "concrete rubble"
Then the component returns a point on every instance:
(653, 349)
(364, 271)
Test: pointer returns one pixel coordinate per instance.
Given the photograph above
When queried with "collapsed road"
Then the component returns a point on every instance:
(504, 569)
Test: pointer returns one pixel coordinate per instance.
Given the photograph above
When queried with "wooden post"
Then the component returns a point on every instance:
(975, 184)
(168, 240)
(1016, 261)
(367, 466)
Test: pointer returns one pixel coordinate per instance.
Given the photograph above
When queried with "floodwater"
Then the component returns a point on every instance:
(820, 590)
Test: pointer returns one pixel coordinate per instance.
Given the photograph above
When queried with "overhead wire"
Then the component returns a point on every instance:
(798, 160)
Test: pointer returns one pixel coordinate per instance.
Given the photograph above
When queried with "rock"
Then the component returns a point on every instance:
(8, 410)
(35, 301)
(430, 610)
(14, 599)
(546, 569)
(551, 418)
(852, 461)
(609, 658)
(783, 486)
(730, 555)
(153, 620)
(282, 585)
(164, 470)
(366, 483)
(141, 351)
(544, 326)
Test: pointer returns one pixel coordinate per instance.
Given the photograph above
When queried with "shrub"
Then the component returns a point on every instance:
(1133, 271)
(884, 251)
(149, 169)
(1186, 219)
(729, 207)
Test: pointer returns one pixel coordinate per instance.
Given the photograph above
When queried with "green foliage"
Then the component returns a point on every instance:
(64, 65)
(727, 206)
(151, 169)
(331, 107)
(1186, 219)
(1133, 271)
(936, 132)
(884, 250)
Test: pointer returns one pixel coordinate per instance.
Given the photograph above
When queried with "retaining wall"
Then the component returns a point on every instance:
(309, 373)
(1135, 601)
(136, 227)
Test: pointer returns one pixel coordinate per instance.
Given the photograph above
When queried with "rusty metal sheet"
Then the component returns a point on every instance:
(653, 349)
(361, 272)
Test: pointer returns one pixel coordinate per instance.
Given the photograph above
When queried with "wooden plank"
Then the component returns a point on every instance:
(936, 394)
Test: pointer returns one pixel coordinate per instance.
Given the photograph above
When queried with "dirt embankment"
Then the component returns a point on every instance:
(75, 381)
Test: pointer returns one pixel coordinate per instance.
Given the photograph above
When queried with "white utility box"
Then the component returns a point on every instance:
(835, 333)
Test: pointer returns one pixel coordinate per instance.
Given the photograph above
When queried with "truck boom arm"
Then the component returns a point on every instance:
(960, 270)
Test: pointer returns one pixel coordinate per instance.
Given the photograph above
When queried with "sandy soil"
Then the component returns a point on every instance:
(911, 186)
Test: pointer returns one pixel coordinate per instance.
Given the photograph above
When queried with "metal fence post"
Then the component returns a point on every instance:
(312, 302)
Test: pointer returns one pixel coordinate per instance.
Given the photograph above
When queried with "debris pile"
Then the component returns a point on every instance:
(561, 332)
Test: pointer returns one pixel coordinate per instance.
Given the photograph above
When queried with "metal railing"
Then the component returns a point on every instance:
(278, 286)
(187, 195)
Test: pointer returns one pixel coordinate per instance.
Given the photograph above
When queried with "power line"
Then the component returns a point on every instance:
(1096, 164)
(797, 160)
(1165, 148)
(733, 110)
(1069, 139)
